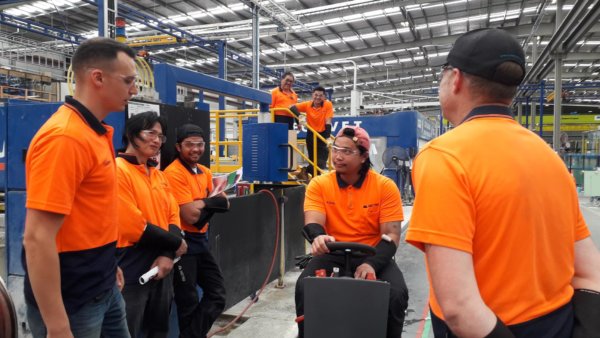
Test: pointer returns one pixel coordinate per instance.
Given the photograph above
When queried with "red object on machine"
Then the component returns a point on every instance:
(299, 319)
(120, 22)
(320, 273)
(370, 276)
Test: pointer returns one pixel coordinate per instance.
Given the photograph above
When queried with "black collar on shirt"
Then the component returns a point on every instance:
(483, 111)
(87, 115)
(188, 167)
(133, 160)
(356, 184)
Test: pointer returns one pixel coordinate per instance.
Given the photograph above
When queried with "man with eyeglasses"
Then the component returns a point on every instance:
(192, 185)
(319, 113)
(71, 224)
(496, 212)
(149, 227)
(355, 204)
(284, 96)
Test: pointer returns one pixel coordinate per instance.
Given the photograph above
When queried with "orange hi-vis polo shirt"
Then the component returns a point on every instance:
(143, 198)
(316, 117)
(280, 99)
(188, 186)
(494, 189)
(70, 170)
(354, 213)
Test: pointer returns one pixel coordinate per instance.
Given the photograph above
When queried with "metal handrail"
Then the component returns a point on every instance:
(316, 135)
(229, 113)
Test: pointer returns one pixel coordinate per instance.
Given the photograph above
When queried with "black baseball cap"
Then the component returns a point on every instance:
(480, 52)
(188, 130)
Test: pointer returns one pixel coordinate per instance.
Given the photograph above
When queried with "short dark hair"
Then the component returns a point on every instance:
(284, 75)
(366, 166)
(492, 90)
(318, 89)
(142, 121)
(96, 51)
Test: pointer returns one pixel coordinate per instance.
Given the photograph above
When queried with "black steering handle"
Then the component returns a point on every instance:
(354, 248)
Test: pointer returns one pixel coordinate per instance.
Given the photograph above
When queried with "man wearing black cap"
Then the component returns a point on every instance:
(496, 212)
(192, 185)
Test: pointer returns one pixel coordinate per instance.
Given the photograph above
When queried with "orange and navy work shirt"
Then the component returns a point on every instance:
(354, 213)
(316, 116)
(70, 170)
(279, 99)
(189, 186)
(144, 197)
(494, 189)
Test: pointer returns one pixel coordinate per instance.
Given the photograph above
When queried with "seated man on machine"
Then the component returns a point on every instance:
(355, 204)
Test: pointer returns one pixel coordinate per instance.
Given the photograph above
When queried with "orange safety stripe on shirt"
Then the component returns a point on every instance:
(143, 199)
(280, 99)
(316, 117)
(70, 170)
(492, 177)
(188, 187)
(355, 214)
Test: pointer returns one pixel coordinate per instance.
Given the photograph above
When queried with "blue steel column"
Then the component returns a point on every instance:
(101, 17)
(557, 82)
(255, 47)
(542, 96)
(222, 75)
(165, 84)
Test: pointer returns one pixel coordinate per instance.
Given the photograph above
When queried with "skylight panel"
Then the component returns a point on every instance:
(332, 20)
(350, 38)
(352, 17)
(368, 35)
(388, 32)
(197, 14)
(373, 13)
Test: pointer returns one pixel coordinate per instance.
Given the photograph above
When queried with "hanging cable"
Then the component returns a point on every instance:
(266, 281)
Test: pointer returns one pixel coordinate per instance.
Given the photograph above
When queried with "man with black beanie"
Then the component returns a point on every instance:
(192, 185)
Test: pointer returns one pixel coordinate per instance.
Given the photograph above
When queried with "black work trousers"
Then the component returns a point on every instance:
(390, 273)
(195, 316)
(148, 307)
(322, 153)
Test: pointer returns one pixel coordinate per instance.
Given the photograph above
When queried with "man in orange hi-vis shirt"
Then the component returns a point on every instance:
(355, 204)
(71, 224)
(192, 184)
(319, 113)
(149, 227)
(496, 212)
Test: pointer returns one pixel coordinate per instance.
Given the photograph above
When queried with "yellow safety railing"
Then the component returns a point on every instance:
(238, 115)
(316, 136)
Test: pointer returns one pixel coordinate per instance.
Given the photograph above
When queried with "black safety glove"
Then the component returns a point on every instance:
(295, 110)
(216, 203)
(176, 231)
(212, 205)
(384, 252)
(157, 238)
(327, 132)
(312, 230)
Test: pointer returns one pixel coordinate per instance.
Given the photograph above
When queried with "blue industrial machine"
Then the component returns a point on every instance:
(404, 132)
(265, 152)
